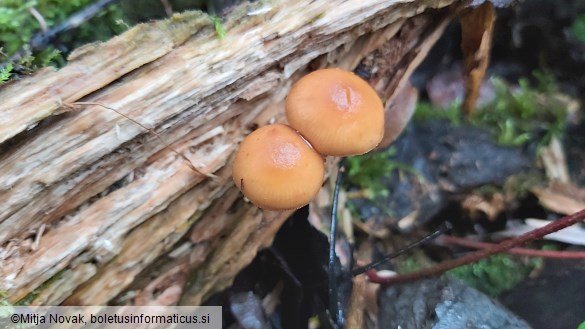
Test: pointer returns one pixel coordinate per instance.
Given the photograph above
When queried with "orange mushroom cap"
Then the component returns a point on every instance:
(338, 112)
(277, 169)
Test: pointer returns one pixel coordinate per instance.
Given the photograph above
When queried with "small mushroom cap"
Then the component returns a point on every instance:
(277, 169)
(338, 112)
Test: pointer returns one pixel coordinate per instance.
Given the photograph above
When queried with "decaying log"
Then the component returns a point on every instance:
(89, 199)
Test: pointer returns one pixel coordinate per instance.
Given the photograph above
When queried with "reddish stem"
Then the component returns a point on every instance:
(517, 251)
(445, 266)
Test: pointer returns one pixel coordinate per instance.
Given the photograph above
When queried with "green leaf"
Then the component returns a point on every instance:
(218, 26)
(5, 73)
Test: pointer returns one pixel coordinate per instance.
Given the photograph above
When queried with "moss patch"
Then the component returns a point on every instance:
(366, 171)
(18, 26)
(517, 116)
(31, 296)
(496, 274)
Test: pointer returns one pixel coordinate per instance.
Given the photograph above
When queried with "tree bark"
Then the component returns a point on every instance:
(92, 204)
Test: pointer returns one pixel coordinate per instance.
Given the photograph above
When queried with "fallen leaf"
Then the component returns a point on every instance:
(398, 113)
(477, 25)
(355, 315)
(572, 235)
(491, 206)
(554, 161)
(562, 198)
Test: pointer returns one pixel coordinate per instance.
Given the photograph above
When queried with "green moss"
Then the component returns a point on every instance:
(496, 274)
(7, 310)
(4, 299)
(179, 27)
(366, 171)
(33, 294)
(526, 114)
(18, 26)
(105, 25)
(517, 116)
(425, 111)
(5, 72)
(416, 261)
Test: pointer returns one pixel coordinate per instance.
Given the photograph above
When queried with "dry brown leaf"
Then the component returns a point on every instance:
(554, 161)
(355, 315)
(398, 113)
(562, 198)
(477, 25)
(372, 228)
(491, 206)
(371, 302)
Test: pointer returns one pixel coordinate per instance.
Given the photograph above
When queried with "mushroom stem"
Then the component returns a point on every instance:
(335, 306)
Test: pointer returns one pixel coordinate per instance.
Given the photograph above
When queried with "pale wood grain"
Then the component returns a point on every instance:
(113, 197)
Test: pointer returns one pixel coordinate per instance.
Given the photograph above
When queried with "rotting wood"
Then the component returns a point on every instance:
(112, 197)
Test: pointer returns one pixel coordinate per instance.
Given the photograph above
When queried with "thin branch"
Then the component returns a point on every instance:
(445, 266)
(42, 39)
(517, 251)
(42, 23)
(181, 155)
(167, 6)
(442, 229)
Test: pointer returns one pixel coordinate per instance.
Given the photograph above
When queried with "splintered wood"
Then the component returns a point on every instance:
(94, 208)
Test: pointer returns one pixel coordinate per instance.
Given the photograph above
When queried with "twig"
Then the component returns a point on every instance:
(189, 163)
(517, 251)
(445, 266)
(40, 40)
(167, 6)
(38, 236)
(442, 229)
(42, 23)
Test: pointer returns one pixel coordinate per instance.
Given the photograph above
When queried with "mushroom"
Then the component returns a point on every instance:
(338, 112)
(277, 169)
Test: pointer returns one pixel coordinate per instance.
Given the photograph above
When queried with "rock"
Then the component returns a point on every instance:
(554, 299)
(466, 157)
(439, 160)
(442, 303)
